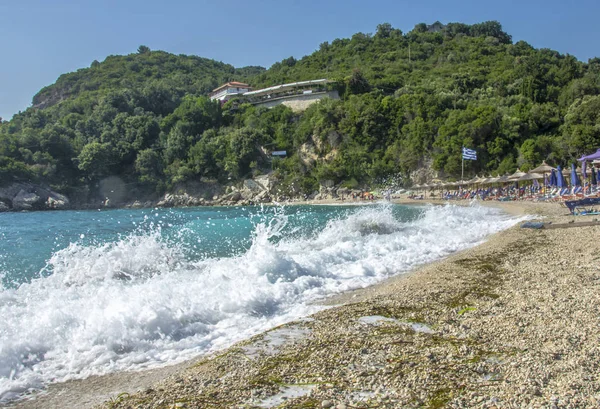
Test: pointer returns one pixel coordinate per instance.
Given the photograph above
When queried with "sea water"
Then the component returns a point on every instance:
(92, 292)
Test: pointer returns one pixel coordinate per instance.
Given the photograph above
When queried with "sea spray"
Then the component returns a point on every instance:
(158, 295)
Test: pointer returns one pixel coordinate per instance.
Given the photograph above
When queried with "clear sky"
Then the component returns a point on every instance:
(42, 39)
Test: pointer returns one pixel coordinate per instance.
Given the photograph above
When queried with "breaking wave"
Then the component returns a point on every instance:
(144, 300)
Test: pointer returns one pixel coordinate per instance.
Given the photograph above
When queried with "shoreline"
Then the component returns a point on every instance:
(95, 390)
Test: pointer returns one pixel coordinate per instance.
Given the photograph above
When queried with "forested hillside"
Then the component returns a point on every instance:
(408, 101)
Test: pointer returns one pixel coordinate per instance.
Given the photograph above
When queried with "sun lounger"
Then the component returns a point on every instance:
(585, 206)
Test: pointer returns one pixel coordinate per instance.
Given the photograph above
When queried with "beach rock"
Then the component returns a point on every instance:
(25, 201)
(166, 201)
(253, 186)
(25, 196)
(262, 197)
(235, 197)
(56, 201)
(8, 193)
(327, 404)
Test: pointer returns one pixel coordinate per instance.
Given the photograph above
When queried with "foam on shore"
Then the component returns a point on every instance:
(141, 302)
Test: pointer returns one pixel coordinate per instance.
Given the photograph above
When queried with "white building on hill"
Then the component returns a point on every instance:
(296, 95)
(229, 90)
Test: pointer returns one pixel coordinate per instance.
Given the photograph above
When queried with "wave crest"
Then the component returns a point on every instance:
(142, 301)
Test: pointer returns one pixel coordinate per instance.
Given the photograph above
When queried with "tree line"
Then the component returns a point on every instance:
(407, 101)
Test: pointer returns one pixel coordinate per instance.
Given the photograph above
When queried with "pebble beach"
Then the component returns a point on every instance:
(511, 323)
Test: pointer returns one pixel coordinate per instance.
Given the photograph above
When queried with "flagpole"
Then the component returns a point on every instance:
(462, 175)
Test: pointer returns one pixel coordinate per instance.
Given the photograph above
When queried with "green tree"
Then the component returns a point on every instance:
(384, 30)
(357, 83)
(581, 130)
(148, 165)
(96, 160)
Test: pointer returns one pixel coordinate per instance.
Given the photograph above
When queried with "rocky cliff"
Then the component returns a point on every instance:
(261, 189)
(27, 196)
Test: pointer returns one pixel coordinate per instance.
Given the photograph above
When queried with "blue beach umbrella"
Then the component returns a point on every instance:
(560, 179)
(593, 156)
(553, 178)
(574, 179)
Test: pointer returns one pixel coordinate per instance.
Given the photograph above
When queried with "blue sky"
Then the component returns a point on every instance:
(42, 39)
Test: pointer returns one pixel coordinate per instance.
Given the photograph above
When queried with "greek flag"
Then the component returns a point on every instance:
(469, 154)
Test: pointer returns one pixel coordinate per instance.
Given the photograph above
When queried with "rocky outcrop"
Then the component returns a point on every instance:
(249, 192)
(56, 201)
(260, 189)
(426, 173)
(26, 201)
(180, 200)
(50, 96)
(27, 196)
(307, 154)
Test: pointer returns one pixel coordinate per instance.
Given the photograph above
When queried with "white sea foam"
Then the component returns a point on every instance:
(139, 302)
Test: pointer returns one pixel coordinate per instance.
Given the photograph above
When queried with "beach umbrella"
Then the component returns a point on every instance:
(560, 179)
(504, 178)
(543, 168)
(574, 179)
(487, 180)
(593, 156)
(567, 171)
(530, 176)
(515, 176)
(553, 179)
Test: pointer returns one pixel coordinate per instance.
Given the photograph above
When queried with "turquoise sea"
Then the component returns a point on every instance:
(92, 292)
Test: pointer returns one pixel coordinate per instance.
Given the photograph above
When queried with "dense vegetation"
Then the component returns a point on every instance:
(408, 101)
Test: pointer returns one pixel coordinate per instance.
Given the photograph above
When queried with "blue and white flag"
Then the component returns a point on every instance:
(469, 154)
